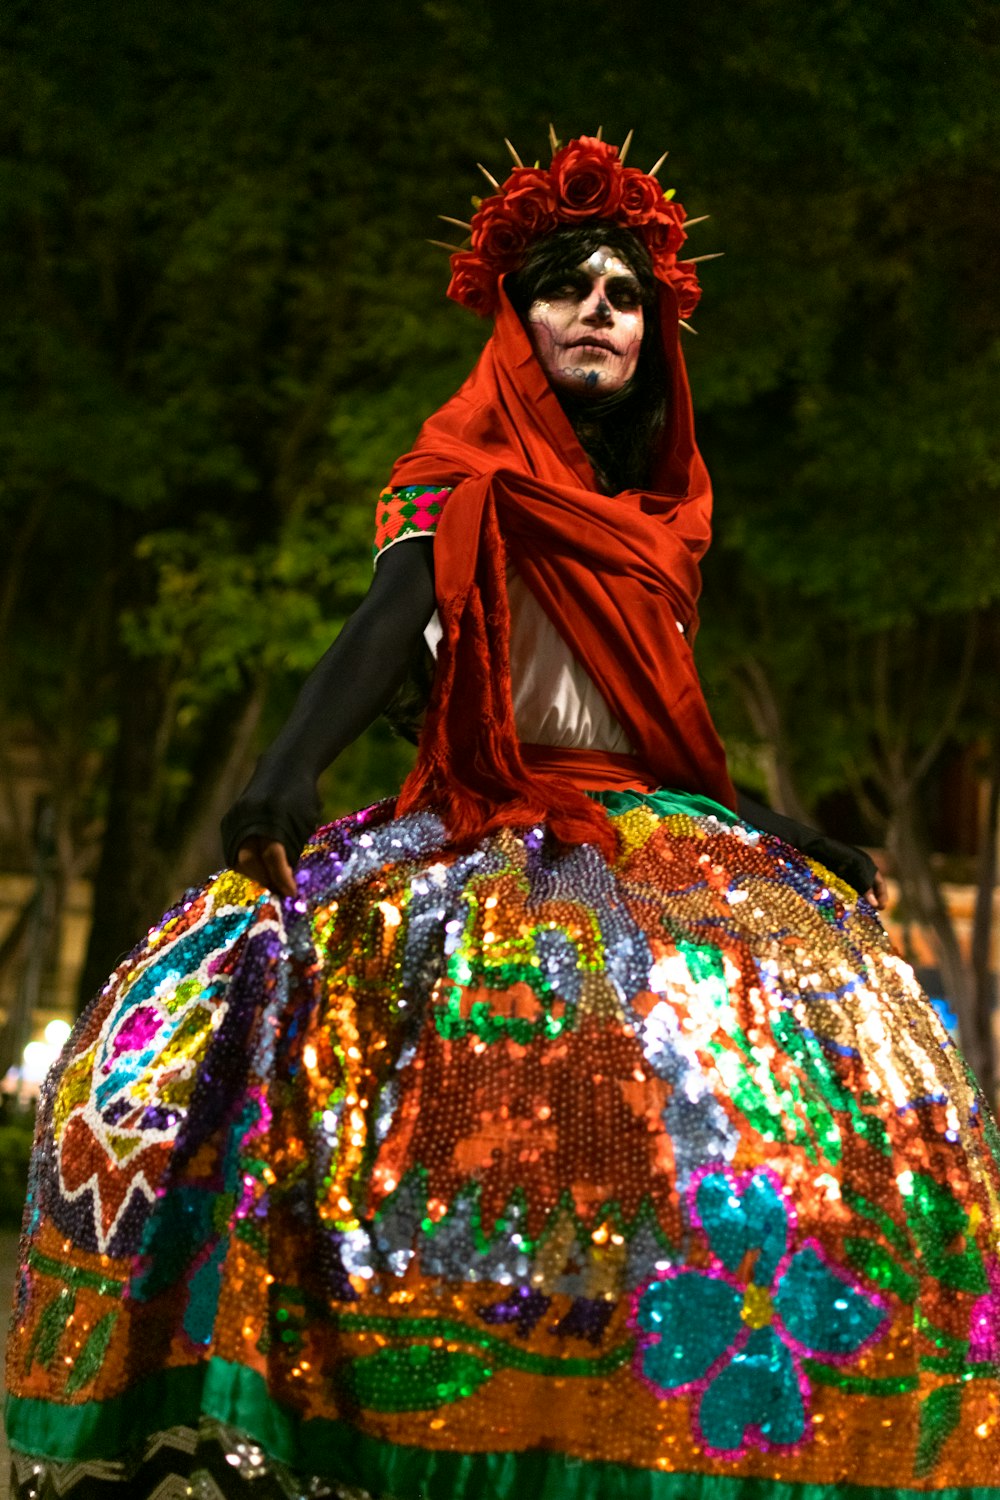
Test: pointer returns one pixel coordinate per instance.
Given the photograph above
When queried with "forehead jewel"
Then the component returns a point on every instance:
(602, 262)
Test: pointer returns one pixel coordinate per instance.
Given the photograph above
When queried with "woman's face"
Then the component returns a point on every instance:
(586, 328)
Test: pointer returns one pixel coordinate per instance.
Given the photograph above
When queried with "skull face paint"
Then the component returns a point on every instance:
(586, 327)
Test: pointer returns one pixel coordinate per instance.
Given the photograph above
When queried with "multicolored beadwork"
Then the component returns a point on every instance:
(412, 511)
(467, 1169)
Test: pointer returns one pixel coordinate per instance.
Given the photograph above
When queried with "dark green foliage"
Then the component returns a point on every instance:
(15, 1152)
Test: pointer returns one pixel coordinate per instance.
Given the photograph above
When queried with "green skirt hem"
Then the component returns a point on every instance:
(237, 1397)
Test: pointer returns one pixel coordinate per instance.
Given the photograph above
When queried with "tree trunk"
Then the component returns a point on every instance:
(200, 850)
(130, 883)
(766, 717)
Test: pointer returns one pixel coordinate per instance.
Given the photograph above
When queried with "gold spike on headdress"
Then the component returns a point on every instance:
(494, 255)
(682, 324)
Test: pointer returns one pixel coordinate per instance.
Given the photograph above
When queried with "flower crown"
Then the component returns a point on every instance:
(587, 180)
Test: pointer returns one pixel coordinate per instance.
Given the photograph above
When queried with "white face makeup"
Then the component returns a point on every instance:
(586, 330)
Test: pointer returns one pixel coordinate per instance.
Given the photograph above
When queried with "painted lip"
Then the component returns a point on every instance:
(595, 343)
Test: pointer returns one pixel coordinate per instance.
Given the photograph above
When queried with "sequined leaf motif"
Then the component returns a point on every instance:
(91, 1356)
(955, 1363)
(875, 1262)
(414, 1378)
(782, 1111)
(896, 1236)
(939, 1336)
(939, 1416)
(51, 1327)
(808, 1054)
(859, 1385)
(774, 1115)
(937, 1220)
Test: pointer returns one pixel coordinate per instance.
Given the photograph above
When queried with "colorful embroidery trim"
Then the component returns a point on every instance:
(412, 511)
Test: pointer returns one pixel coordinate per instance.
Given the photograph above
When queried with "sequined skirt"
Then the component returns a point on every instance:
(508, 1172)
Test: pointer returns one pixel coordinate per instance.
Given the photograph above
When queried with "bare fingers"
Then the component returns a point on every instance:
(265, 861)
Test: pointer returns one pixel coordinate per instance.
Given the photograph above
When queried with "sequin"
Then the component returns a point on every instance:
(477, 1168)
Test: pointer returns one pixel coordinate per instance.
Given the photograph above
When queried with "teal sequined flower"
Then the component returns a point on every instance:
(734, 1341)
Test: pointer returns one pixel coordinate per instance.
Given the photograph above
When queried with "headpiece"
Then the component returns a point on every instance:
(586, 181)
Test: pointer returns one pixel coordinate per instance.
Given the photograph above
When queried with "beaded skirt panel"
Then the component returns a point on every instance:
(506, 1172)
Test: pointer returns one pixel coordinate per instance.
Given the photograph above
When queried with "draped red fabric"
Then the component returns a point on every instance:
(617, 574)
(603, 770)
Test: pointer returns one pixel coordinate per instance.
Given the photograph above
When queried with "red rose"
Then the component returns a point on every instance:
(663, 234)
(641, 195)
(473, 283)
(588, 179)
(530, 200)
(684, 280)
(496, 235)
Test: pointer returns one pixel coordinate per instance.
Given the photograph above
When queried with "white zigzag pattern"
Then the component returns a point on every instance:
(92, 1114)
(64, 1477)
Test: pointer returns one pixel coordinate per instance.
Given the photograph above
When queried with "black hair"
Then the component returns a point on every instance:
(618, 433)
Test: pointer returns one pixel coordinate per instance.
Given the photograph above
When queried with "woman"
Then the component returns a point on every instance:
(553, 1130)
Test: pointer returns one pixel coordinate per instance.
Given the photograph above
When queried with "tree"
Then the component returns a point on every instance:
(196, 315)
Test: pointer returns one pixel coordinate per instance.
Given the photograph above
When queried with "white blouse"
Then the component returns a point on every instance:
(555, 702)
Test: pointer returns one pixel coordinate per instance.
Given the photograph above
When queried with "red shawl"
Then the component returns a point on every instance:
(613, 572)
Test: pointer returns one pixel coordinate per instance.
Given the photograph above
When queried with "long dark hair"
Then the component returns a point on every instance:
(618, 433)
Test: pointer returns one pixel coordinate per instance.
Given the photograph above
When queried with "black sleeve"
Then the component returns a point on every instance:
(851, 864)
(344, 693)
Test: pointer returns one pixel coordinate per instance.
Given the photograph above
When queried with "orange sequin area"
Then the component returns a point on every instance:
(668, 1165)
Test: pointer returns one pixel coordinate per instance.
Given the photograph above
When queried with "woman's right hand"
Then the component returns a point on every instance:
(264, 831)
(265, 861)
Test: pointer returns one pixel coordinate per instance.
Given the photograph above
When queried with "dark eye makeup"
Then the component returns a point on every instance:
(623, 292)
(562, 288)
